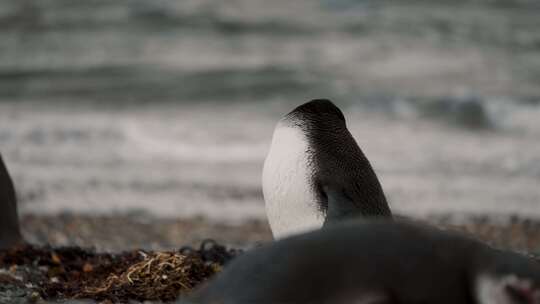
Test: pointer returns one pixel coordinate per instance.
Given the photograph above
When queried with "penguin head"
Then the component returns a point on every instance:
(510, 279)
(317, 112)
(315, 173)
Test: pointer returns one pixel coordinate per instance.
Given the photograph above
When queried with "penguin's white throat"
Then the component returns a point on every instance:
(290, 200)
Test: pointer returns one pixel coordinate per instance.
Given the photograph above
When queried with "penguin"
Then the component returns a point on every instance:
(378, 262)
(10, 233)
(315, 173)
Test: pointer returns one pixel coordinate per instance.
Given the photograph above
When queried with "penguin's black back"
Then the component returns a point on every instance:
(9, 221)
(397, 262)
(339, 162)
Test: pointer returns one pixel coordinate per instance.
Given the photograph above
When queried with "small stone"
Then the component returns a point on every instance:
(34, 297)
(88, 267)
(56, 259)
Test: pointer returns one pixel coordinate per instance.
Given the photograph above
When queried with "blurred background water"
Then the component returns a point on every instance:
(168, 107)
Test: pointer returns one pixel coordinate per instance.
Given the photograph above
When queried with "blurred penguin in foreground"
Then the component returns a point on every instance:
(375, 262)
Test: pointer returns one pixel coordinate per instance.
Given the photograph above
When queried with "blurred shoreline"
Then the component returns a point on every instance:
(168, 106)
(202, 160)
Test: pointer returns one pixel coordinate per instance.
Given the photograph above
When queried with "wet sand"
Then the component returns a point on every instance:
(130, 232)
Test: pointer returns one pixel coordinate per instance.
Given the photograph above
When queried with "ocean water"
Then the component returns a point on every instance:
(168, 107)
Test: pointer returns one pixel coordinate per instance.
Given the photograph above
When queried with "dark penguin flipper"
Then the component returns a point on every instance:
(372, 299)
(10, 233)
(340, 205)
(364, 199)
